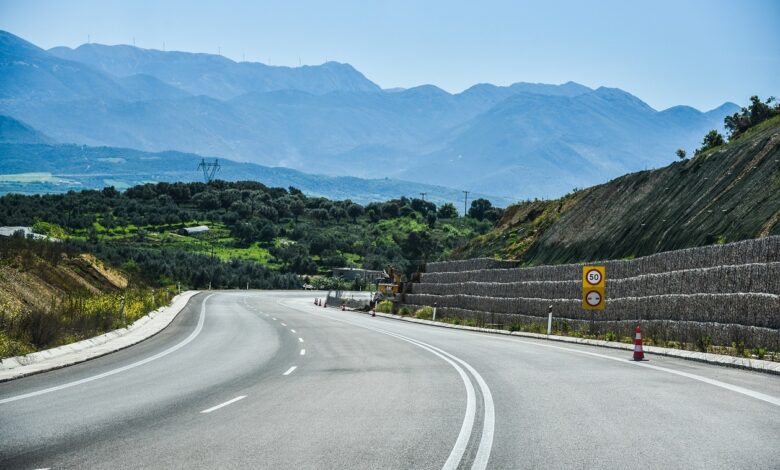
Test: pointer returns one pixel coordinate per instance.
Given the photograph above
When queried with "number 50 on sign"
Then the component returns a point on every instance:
(594, 279)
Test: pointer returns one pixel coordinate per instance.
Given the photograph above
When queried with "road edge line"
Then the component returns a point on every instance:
(114, 343)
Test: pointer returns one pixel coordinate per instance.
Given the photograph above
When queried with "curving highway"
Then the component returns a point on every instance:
(264, 379)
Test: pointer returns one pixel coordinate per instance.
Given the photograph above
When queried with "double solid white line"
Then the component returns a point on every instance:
(489, 419)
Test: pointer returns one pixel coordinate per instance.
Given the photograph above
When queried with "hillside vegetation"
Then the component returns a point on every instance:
(258, 236)
(53, 294)
(726, 193)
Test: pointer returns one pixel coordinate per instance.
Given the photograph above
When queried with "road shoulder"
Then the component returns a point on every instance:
(63, 356)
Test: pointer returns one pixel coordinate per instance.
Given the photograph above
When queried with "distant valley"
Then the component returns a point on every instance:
(30, 163)
(520, 141)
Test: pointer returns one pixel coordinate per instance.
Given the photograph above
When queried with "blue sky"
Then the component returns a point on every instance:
(694, 52)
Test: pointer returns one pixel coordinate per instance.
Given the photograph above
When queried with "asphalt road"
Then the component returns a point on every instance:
(258, 379)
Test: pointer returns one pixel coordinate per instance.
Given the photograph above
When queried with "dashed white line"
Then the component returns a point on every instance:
(290, 370)
(213, 408)
(292, 330)
(284, 324)
(303, 352)
(300, 340)
(273, 318)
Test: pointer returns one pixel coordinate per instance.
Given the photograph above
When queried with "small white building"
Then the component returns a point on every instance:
(28, 232)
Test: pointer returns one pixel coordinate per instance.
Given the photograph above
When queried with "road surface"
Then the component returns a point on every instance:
(261, 379)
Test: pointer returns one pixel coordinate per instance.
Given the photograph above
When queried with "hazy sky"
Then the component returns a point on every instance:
(694, 52)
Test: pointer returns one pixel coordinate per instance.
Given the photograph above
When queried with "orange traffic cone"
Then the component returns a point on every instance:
(639, 354)
(373, 311)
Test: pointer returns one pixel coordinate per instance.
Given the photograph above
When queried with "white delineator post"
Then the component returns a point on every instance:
(549, 320)
(435, 304)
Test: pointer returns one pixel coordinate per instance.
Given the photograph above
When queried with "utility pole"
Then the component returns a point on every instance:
(423, 195)
(465, 202)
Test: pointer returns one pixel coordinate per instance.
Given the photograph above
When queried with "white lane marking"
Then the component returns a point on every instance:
(456, 455)
(303, 352)
(300, 340)
(273, 318)
(489, 421)
(459, 449)
(267, 315)
(290, 370)
(734, 388)
(188, 340)
(717, 383)
(292, 330)
(213, 408)
(284, 324)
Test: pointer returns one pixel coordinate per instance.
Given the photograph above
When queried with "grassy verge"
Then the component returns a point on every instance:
(563, 328)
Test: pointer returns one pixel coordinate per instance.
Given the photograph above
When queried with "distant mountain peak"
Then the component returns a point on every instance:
(215, 75)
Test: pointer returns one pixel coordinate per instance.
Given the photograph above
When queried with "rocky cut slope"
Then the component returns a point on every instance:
(51, 294)
(727, 194)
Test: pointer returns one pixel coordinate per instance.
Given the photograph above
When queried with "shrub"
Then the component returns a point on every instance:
(405, 311)
(610, 336)
(759, 352)
(424, 313)
(703, 343)
(384, 306)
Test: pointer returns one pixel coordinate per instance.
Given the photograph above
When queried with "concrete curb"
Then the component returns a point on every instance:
(757, 365)
(56, 358)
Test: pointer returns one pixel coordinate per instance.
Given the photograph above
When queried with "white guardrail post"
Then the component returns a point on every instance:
(549, 320)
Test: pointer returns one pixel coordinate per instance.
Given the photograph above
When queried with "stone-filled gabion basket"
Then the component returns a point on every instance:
(728, 293)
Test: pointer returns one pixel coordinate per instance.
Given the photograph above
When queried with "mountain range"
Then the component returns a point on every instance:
(523, 140)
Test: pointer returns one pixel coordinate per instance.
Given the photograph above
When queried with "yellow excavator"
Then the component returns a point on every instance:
(394, 286)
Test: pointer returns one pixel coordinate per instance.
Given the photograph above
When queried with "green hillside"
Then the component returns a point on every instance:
(727, 193)
(258, 236)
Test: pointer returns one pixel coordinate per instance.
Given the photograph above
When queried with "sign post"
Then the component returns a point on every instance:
(594, 281)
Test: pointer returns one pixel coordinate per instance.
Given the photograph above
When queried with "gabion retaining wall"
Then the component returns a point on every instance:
(755, 277)
(729, 292)
(469, 265)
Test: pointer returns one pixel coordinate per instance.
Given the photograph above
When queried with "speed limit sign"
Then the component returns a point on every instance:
(593, 276)
(594, 279)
